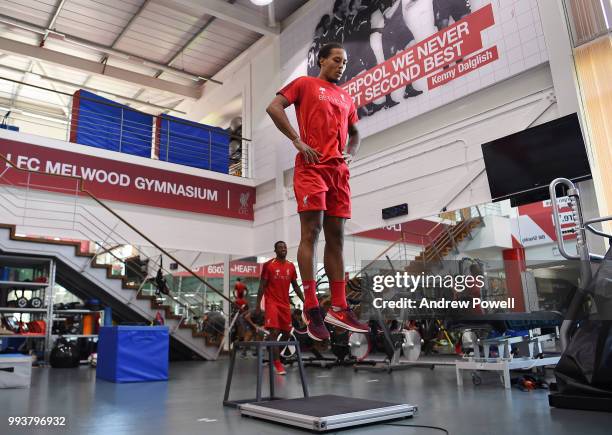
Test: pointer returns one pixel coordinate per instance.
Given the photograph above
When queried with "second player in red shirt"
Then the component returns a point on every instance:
(276, 276)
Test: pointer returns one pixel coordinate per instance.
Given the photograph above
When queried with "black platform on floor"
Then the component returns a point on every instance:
(327, 412)
(325, 405)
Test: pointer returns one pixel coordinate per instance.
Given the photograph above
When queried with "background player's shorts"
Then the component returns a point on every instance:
(241, 302)
(444, 9)
(323, 186)
(278, 316)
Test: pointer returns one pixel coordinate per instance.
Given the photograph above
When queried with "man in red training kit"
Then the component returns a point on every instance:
(240, 292)
(276, 275)
(327, 120)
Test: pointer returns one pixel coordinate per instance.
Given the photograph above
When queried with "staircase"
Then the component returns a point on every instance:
(79, 273)
(434, 252)
(448, 240)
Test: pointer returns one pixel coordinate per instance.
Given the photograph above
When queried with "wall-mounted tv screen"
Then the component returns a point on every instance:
(521, 166)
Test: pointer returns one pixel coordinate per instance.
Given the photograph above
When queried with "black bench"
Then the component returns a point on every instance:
(261, 346)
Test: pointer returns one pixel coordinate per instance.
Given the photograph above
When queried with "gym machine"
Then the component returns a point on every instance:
(584, 372)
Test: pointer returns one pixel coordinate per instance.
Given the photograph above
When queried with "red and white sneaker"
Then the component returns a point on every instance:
(315, 325)
(279, 367)
(345, 318)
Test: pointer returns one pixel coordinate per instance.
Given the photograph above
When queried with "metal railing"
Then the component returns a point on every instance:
(59, 208)
(155, 136)
(435, 241)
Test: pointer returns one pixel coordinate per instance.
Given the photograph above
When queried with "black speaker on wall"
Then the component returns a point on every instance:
(395, 211)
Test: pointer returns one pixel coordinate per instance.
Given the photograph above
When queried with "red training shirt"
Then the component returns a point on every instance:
(240, 289)
(324, 112)
(278, 275)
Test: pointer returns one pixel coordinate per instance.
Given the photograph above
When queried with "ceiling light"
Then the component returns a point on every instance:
(261, 2)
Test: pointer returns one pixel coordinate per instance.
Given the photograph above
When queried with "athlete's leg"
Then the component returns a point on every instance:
(333, 258)
(311, 223)
(410, 91)
(376, 43)
(273, 336)
(338, 202)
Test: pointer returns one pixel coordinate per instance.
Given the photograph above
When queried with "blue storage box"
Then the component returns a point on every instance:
(133, 353)
(102, 123)
(192, 144)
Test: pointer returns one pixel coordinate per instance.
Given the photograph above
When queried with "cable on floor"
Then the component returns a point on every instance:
(418, 425)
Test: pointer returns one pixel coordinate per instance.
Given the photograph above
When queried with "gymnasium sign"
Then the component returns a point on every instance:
(406, 57)
(124, 182)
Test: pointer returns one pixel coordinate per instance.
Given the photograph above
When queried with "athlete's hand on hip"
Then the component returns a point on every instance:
(311, 155)
(348, 158)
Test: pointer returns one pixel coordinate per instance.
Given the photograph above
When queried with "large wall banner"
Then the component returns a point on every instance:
(406, 57)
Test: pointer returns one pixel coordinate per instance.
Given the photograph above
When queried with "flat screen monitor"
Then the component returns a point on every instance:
(521, 166)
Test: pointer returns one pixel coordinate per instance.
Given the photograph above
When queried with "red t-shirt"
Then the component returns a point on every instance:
(239, 288)
(278, 275)
(324, 112)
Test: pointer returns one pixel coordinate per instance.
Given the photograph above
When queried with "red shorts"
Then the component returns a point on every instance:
(278, 316)
(323, 186)
(241, 302)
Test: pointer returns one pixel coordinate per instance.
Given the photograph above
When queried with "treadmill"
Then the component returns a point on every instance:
(316, 413)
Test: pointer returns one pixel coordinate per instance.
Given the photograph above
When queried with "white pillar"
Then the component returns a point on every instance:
(226, 305)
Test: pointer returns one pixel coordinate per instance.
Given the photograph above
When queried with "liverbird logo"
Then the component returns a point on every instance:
(244, 203)
(322, 89)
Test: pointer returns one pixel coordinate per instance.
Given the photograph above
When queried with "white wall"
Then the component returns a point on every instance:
(40, 127)
(495, 233)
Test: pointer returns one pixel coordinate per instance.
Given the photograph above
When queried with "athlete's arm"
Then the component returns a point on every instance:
(276, 110)
(260, 292)
(247, 317)
(353, 144)
(296, 289)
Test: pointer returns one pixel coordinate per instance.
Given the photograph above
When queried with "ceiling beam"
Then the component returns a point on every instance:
(70, 39)
(121, 34)
(191, 40)
(53, 19)
(108, 71)
(130, 22)
(19, 85)
(77, 86)
(66, 102)
(235, 14)
(180, 51)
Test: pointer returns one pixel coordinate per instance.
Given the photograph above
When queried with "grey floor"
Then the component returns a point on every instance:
(190, 403)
